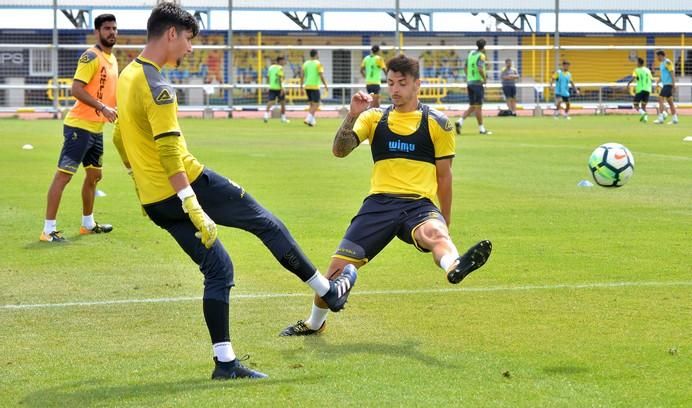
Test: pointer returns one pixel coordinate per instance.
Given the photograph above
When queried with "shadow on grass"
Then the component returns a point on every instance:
(79, 394)
(406, 349)
(565, 370)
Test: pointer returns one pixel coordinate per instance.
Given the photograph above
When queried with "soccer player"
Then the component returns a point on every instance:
(310, 78)
(475, 78)
(644, 79)
(94, 88)
(509, 78)
(562, 80)
(276, 88)
(412, 146)
(371, 69)
(667, 79)
(187, 199)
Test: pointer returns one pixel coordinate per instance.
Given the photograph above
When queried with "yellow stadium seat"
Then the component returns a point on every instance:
(64, 94)
(436, 92)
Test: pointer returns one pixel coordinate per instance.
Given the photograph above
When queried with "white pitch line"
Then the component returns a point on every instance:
(594, 285)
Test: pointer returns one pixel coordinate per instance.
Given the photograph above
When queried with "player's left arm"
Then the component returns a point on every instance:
(481, 68)
(671, 68)
(445, 145)
(444, 187)
(324, 81)
(574, 86)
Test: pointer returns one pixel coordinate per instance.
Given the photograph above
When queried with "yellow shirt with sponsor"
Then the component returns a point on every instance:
(148, 111)
(99, 72)
(401, 175)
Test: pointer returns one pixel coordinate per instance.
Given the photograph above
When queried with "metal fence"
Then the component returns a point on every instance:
(36, 66)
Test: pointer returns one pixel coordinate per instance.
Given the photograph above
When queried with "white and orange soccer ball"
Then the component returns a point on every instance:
(611, 165)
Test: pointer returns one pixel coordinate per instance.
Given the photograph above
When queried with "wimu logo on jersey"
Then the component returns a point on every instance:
(399, 146)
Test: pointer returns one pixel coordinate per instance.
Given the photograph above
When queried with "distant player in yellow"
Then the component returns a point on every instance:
(187, 199)
(412, 146)
(371, 69)
(310, 78)
(275, 73)
(94, 88)
(643, 79)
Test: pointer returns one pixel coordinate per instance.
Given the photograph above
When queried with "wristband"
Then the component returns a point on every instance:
(185, 193)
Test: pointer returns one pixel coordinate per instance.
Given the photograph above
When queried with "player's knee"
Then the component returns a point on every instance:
(433, 232)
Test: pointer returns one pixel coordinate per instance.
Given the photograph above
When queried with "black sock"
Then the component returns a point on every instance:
(296, 261)
(216, 316)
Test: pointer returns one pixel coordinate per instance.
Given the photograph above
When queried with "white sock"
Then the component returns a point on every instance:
(88, 221)
(660, 117)
(675, 117)
(266, 115)
(460, 121)
(50, 226)
(318, 283)
(481, 128)
(448, 260)
(223, 351)
(317, 317)
(283, 116)
(641, 111)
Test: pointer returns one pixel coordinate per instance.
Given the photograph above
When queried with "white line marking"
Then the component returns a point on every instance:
(594, 285)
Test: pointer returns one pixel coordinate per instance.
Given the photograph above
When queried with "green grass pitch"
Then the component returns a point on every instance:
(586, 300)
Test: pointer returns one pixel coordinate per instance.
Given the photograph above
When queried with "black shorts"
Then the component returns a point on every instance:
(510, 91)
(80, 146)
(275, 94)
(227, 204)
(379, 220)
(667, 91)
(476, 94)
(563, 98)
(313, 95)
(373, 89)
(642, 96)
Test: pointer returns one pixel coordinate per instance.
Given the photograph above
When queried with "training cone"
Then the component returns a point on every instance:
(585, 183)
(28, 147)
(100, 193)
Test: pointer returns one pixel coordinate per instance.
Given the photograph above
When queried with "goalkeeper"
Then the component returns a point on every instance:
(186, 199)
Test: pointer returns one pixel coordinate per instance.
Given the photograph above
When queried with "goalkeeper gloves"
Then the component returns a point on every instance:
(205, 226)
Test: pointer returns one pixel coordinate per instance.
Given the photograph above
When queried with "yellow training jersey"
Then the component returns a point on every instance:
(405, 149)
(148, 111)
(99, 71)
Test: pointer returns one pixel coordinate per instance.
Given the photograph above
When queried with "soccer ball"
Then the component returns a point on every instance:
(611, 165)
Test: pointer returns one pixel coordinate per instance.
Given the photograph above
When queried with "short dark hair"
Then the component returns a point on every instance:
(280, 58)
(640, 60)
(404, 65)
(375, 48)
(313, 53)
(661, 53)
(565, 62)
(480, 44)
(103, 18)
(167, 15)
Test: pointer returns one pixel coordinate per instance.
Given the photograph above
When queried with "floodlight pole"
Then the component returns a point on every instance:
(231, 73)
(397, 41)
(557, 34)
(54, 60)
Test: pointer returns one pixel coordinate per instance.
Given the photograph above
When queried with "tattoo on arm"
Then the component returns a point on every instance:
(346, 139)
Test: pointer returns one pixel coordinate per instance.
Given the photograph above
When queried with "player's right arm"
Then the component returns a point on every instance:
(362, 68)
(120, 147)
(346, 139)
(87, 67)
